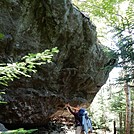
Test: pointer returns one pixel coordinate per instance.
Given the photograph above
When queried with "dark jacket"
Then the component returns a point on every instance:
(76, 116)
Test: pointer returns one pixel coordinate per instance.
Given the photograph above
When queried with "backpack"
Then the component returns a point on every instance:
(85, 120)
(82, 112)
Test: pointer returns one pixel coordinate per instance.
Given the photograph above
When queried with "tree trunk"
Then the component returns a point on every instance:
(124, 119)
(114, 127)
(132, 115)
(128, 107)
(120, 121)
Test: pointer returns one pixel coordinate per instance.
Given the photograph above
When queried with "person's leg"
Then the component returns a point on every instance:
(82, 132)
(78, 130)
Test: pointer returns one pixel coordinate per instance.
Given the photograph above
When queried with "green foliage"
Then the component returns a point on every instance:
(28, 64)
(110, 53)
(117, 103)
(19, 131)
(125, 42)
(101, 8)
(1, 99)
(1, 36)
(99, 116)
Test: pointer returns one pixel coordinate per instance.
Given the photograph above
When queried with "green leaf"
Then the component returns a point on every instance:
(1, 36)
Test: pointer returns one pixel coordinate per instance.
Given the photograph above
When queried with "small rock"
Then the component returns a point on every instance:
(2, 127)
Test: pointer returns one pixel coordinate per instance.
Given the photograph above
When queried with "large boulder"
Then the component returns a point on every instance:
(77, 72)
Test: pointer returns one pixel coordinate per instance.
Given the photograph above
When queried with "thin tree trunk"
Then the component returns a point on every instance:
(132, 115)
(128, 107)
(124, 119)
(120, 121)
(114, 127)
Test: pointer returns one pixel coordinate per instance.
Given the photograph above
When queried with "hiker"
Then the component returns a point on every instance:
(82, 122)
(74, 111)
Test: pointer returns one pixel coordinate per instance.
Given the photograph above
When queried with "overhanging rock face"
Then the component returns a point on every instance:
(76, 73)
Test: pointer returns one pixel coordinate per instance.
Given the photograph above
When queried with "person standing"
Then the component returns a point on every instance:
(78, 122)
